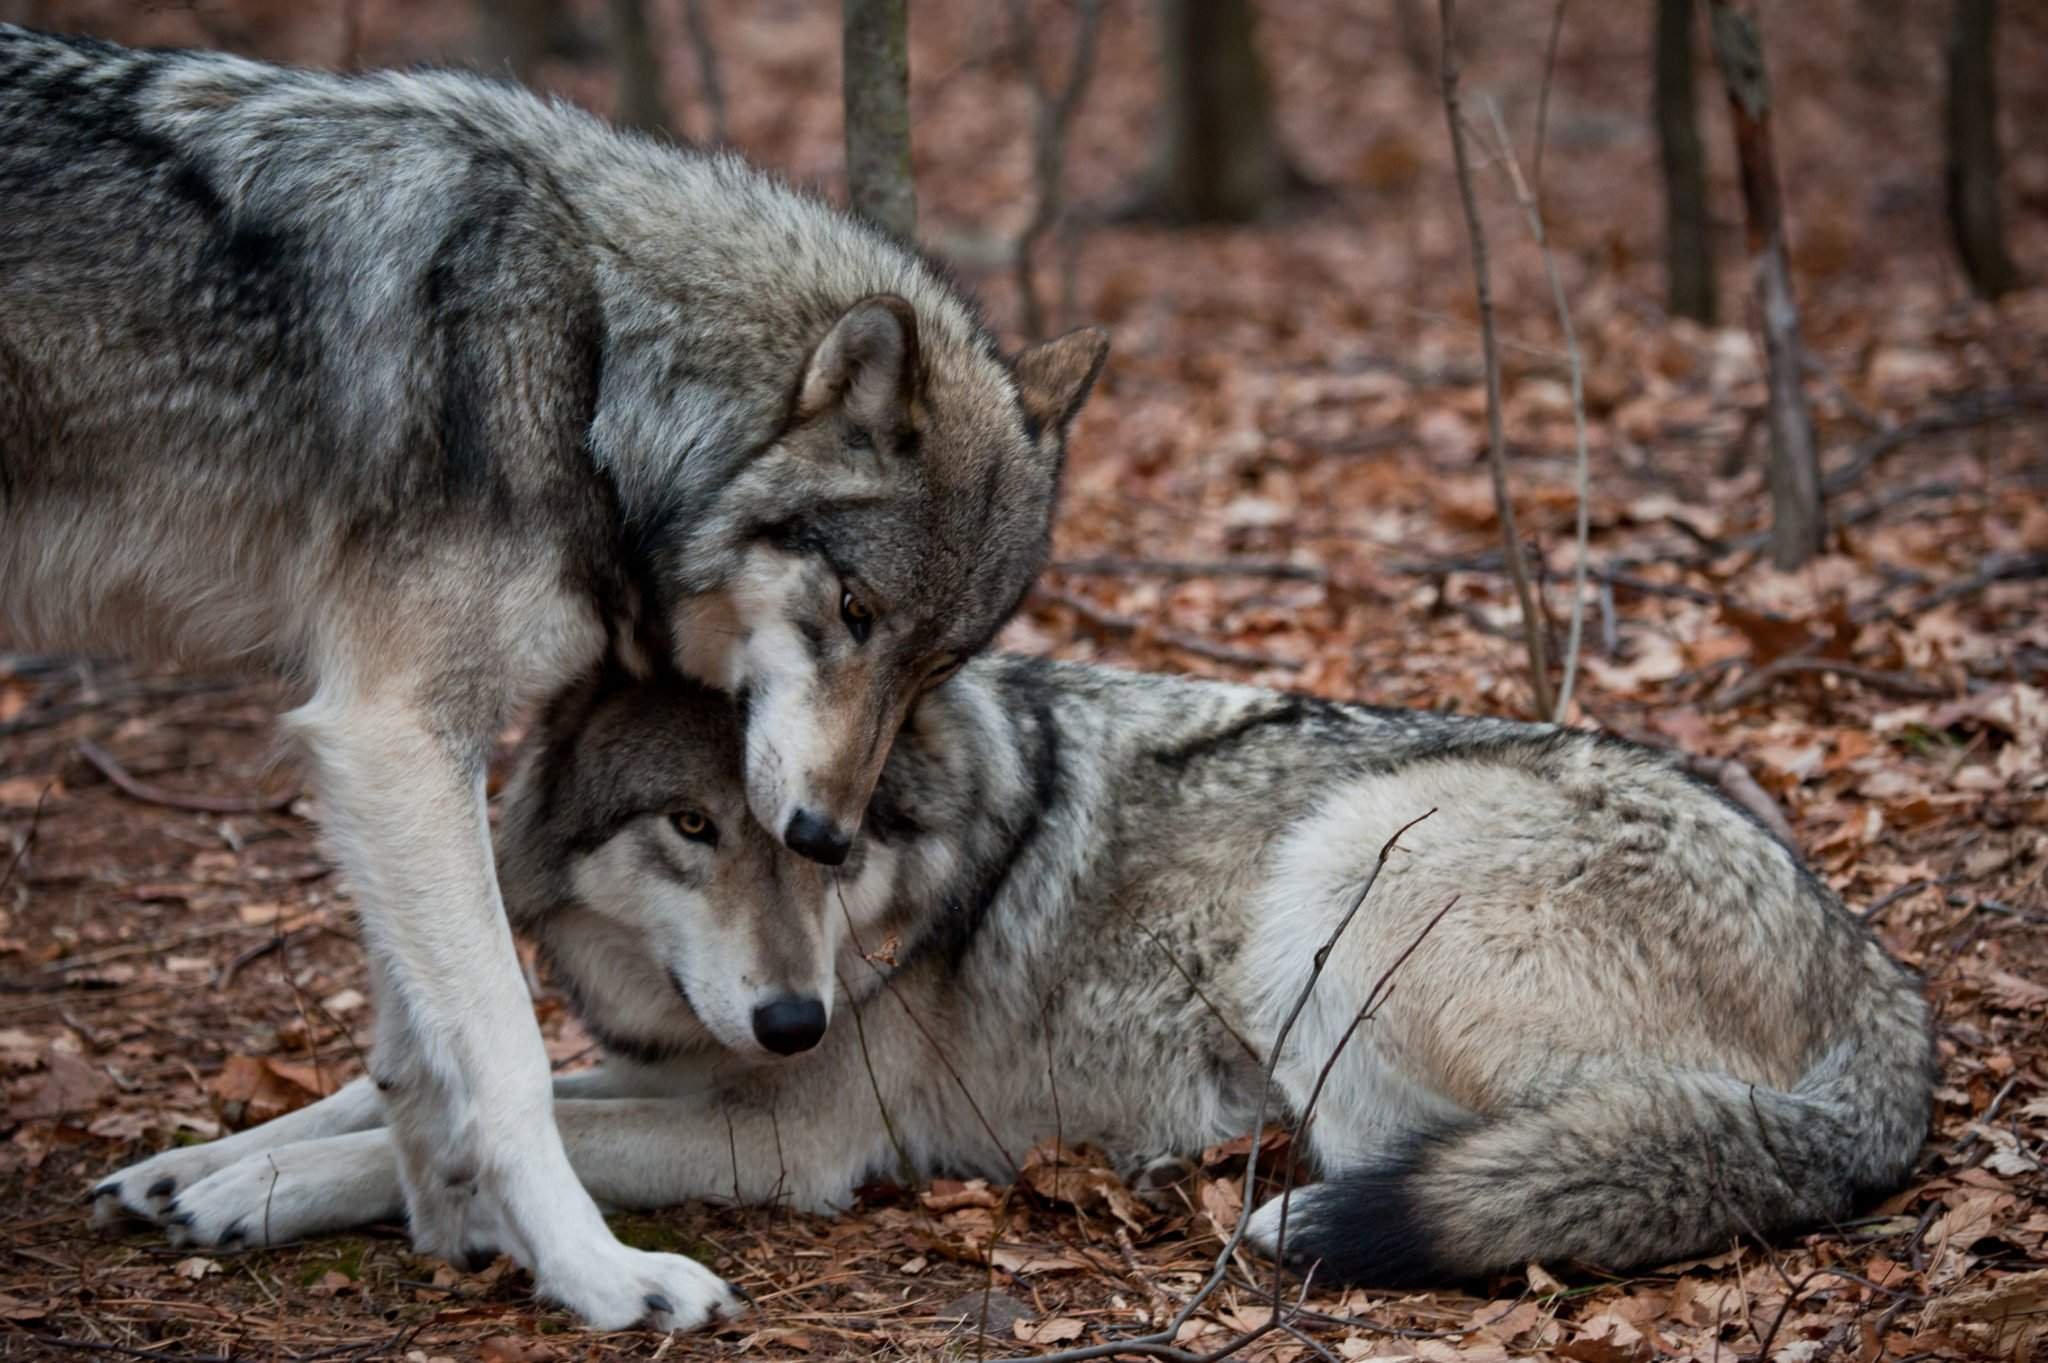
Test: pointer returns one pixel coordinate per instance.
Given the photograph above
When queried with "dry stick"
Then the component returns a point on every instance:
(1532, 210)
(1179, 569)
(1376, 996)
(1049, 148)
(1186, 643)
(157, 795)
(1738, 785)
(1761, 680)
(1489, 341)
(1160, 1343)
(1966, 414)
(904, 1166)
(35, 822)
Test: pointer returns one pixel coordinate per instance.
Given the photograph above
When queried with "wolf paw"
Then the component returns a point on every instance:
(144, 1191)
(617, 1287)
(1262, 1228)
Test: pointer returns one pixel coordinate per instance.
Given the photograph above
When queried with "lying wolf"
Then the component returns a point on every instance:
(430, 397)
(1642, 1028)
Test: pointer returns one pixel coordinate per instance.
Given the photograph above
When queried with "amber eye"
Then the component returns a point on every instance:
(859, 619)
(695, 827)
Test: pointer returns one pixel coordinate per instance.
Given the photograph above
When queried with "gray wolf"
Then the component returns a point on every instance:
(430, 396)
(1642, 1029)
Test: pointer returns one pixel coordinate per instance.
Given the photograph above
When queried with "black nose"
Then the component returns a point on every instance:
(816, 838)
(789, 1024)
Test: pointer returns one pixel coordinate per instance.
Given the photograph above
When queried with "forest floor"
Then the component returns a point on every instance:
(1280, 480)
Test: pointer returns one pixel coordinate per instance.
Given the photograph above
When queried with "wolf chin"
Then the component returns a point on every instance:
(1642, 1028)
(430, 397)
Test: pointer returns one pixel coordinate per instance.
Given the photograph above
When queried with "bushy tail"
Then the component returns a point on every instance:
(1631, 1169)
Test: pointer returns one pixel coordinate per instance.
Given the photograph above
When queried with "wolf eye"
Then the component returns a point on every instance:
(859, 619)
(695, 827)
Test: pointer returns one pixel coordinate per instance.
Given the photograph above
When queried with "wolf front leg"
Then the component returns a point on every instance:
(631, 1153)
(459, 1060)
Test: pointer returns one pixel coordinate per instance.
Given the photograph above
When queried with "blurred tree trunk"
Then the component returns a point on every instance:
(1688, 246)
(639, 103)
(876, 76)
(1798, 522)
(516, 35)
(1973, 158)
(1215, 155)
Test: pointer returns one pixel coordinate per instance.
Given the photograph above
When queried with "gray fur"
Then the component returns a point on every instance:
(1644, 1028)
(431, 397)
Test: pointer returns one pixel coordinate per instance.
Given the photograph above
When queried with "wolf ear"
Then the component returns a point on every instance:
(868, 362)
(1053, 379)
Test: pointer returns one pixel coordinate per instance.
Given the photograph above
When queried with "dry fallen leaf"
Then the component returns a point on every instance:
(1052, 1330)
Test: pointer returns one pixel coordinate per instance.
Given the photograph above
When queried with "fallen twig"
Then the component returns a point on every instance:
(1737, 784)
(1981, 409)
(1186, 643)
(1761, 680)
(135, 788)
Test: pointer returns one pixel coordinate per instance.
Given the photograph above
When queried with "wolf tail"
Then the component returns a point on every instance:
(1636, 1167)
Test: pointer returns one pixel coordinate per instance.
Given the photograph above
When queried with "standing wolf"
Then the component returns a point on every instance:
(428, 396)
(1643, 1028)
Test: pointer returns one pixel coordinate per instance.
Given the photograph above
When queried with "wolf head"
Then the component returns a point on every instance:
(626, 847)
(882, 538)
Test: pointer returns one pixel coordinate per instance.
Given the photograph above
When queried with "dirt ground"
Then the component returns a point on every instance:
(1281, 479)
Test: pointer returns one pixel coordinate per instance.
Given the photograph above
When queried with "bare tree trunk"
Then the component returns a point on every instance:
(1216, 157)
(1688, 247)
(1973, 177)
(639, 103)
(1798, 521)
(876, 73)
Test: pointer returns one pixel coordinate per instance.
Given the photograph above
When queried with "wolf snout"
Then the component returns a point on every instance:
(814, 836)
(789, 1024)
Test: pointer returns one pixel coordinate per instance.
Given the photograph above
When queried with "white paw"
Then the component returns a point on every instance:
(145, 1191)
(616, 1287)
(278, 1196)
(1262, 1227)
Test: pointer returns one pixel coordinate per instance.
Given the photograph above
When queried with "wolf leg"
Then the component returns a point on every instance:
(459, 1060)
(148, 1190)
(631, 1153)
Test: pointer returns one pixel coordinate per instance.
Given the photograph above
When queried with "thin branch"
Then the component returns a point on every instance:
(1543, 98)
(1186, 643)
(156, 795)
(888, 982)
(1160, 1344)
(1182, 569)
(1532, 210)
(1977, 409)
(1496, 436)
(1761, 680)
(1374, 998)
(1049, 146)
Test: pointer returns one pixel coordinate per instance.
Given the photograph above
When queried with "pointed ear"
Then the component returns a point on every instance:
(1053, 379)
(868, 362)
